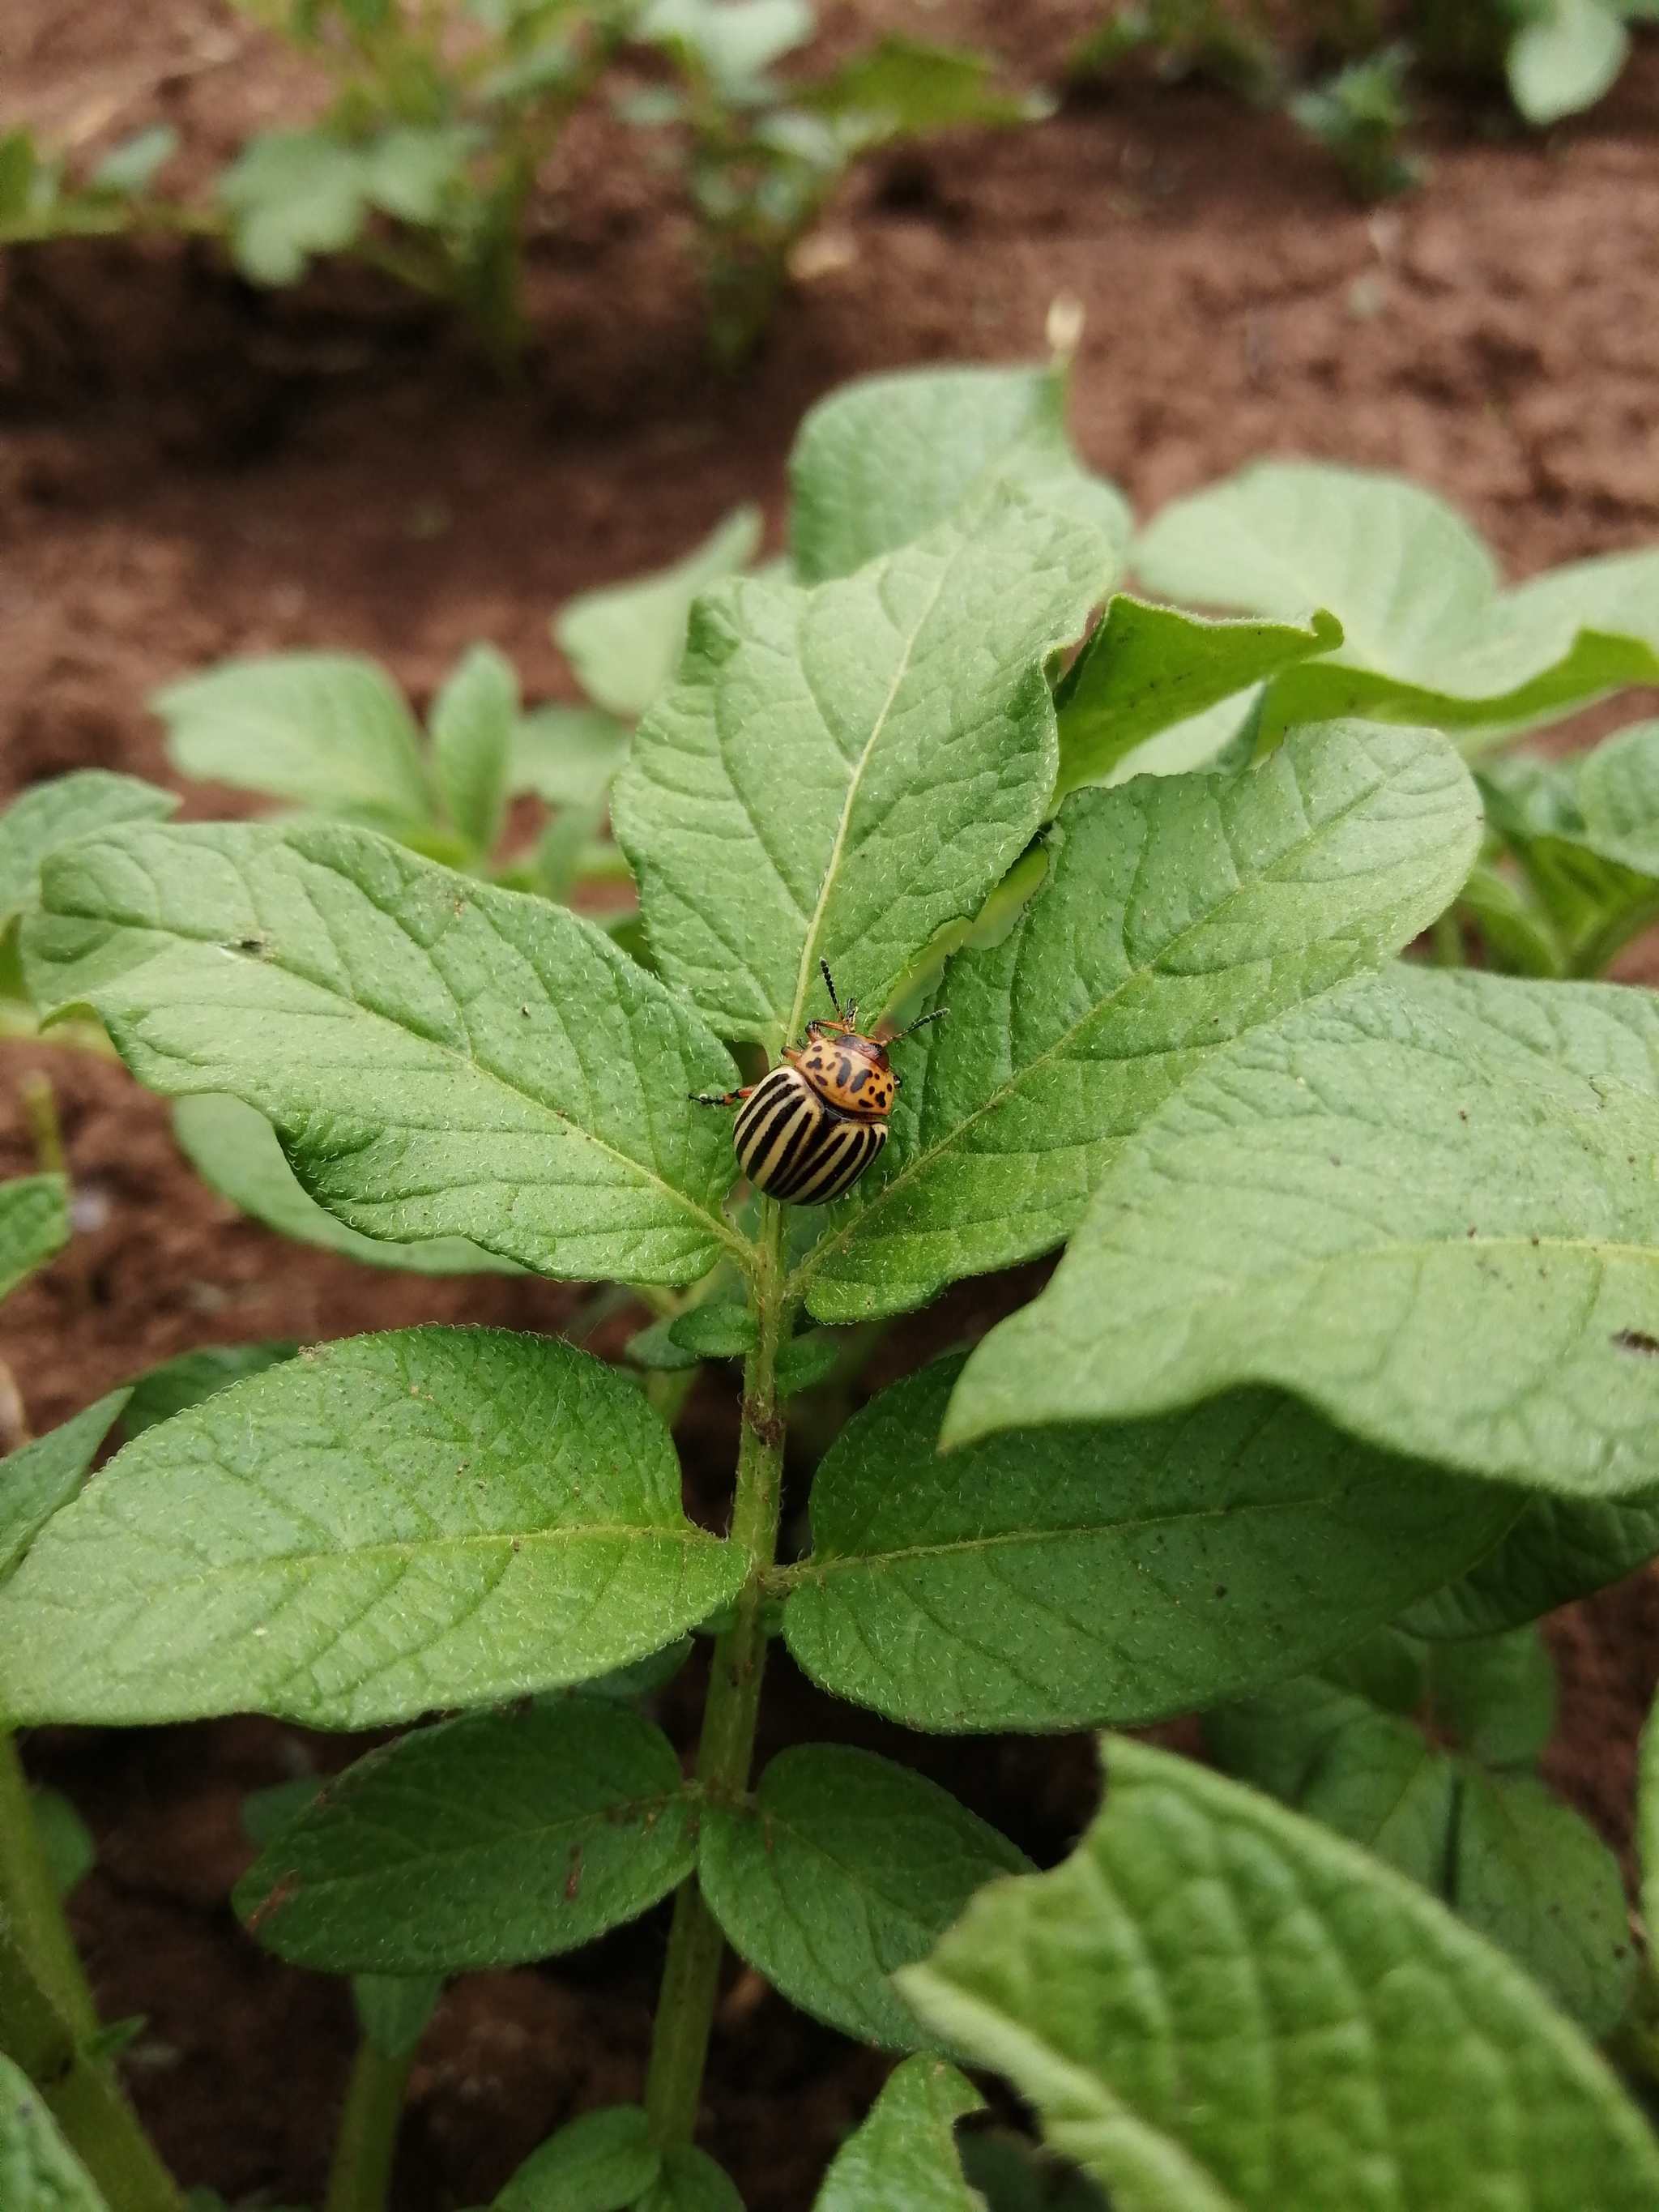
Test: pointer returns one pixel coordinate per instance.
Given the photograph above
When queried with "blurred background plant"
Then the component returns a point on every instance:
(426, 163)
(1345, 69)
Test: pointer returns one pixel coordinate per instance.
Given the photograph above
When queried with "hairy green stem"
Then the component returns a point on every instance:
(81, 2091)
(685, 2006)
(33, 1908)
(360, 2178)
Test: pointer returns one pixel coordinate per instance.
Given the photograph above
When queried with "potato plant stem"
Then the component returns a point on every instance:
(360, 2178)
(685, 2006)
(29, 1898)
(80, 2090)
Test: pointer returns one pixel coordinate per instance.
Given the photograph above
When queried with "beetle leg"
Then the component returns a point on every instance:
(720, 1098)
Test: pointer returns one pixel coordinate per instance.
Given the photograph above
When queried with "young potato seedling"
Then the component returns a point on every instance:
(1344, 1376)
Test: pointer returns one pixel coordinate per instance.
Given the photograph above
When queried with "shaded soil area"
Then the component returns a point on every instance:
(190, 469)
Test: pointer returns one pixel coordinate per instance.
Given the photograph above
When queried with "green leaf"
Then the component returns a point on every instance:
(39, 2172)
(567, 755)
(1059, 1576)
(1180, 912)
(414, 173)
(843, 1868)
(325, 730)
(689, 2182)
(904, 2156)
(655, 1350)
(290, 194)
(1217, 2006)
(1145, 668)
(1647, 1821)
(393, 2009)
(39, 1477)
(842, 772)
(625, 642)
(1474, 1827)
(19, 166)
(1429, 636)
(34, 1223)
(1591, 881)
(1617, 789)
(1425, 1202)
(1565, 56)
(385, 1526)
(235, 1150)
(194, 1376)
(64, 1836)
(885, 460)
(602, 2163)
(50, 815)
(487, 1841)
(1559, 1550)
(714, 1331)
(440, 1058)
(807, 1361)
(731, 41)
(473, 721)
(905, 88)
(131, 168)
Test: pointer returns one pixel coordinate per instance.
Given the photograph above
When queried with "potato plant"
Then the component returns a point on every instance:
(1345, 1377)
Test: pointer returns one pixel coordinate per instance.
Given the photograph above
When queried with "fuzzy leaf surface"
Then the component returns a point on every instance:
(34, 1223)
(1180, 912)
(39, 1478)
(845, 1868)
(487, 1841)
(1146, 668)
(438, 1057)
(1428, 1203)
(49, 814)
(392, 1524)
(904, 2153)
(1430, 636)
(625, 642)
(843, 771)
(1060, 1576)
(39, 2172)
(235, 1150)
(324, 730)
(887, 459)
(1216, 2006)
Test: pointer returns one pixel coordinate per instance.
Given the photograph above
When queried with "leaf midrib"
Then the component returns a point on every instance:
(814, 1568)
(691, 1539)
(803, 980)
(1063, 1043)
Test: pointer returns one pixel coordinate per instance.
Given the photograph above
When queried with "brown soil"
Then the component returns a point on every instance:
(189, 470)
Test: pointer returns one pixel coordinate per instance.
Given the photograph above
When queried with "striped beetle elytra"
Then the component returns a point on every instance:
(808, 1130)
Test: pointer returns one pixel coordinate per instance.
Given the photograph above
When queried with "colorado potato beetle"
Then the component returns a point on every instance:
(808, 1130)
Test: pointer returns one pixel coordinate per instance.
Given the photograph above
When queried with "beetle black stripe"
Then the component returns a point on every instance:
(754, 1140)
(761, 1154)
(776, 1094)
(838, 1166)
(774, 1164)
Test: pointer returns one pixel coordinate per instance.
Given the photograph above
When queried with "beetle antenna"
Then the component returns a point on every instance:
(828, 985)
(938, 1015)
